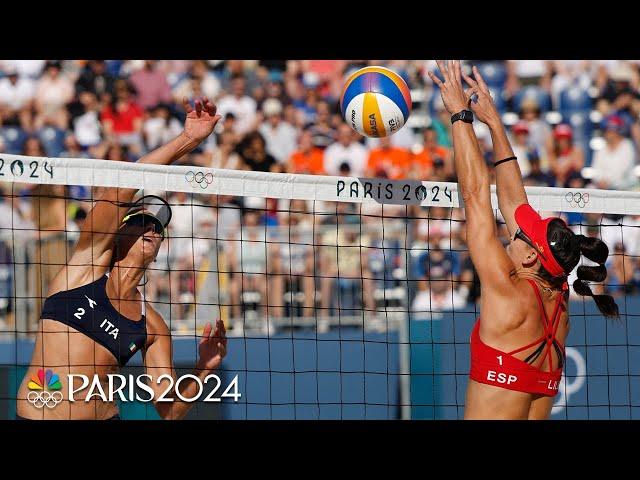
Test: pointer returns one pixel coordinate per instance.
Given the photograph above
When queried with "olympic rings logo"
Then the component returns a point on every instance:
(577, 199)
(44, 398)
(44, 389)
(196, 179)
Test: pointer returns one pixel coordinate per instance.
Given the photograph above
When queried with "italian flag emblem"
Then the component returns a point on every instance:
(132, 347)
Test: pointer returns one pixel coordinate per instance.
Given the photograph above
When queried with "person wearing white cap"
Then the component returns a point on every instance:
(279, 135)
(16, 97)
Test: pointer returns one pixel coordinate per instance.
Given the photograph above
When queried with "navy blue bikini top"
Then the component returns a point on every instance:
(89, 310)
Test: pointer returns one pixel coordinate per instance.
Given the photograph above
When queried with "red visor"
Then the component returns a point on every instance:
(535, 227)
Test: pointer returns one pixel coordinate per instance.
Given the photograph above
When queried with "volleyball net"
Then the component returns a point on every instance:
(343, 297)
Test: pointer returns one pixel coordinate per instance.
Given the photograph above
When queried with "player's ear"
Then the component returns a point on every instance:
(531, 258)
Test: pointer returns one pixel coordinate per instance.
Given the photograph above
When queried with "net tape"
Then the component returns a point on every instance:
(178, 178)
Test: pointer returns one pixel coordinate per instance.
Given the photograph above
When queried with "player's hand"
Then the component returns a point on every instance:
(213, 347)
(200, 121)
(483, 106)
(455, 97)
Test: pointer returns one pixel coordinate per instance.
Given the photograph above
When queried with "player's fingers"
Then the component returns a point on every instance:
(457, 71)
(443, 69)
(205, 333)
(223, 329)
(469, 93)
(187, 105)
(481, 83)
(435, 79)
(452, 69)
(470, 81)
(210, 107)
(198, 107)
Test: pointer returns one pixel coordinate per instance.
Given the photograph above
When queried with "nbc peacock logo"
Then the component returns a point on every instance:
(44, 389)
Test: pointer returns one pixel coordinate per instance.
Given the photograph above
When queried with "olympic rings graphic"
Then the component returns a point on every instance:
(577, 199)
(44, 398)
(199, 178)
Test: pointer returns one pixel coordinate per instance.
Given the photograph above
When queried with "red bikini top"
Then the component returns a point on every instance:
(501, 369)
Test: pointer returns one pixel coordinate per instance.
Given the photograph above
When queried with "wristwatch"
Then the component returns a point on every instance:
(464, 115)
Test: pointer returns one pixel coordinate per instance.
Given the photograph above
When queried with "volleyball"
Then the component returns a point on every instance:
(375, 102)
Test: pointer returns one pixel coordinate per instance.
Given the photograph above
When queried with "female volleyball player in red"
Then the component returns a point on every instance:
(517, 344)
(95, 318)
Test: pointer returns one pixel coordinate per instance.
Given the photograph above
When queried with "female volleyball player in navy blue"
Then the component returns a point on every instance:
(517, 347)
(95, 318)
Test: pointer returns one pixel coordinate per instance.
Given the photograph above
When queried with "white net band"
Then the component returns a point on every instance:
(107, 173)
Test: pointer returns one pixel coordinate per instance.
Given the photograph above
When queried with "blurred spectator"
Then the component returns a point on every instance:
(622, 105)
(253, 152)
(439, 173)
(522, 147)
(536, 176)
(236, 68)
(248, 261)
(570, 74)
(613, 164)
(308, 158)
(16, 97)
(442, 125)
(229, 127)
(346, 151)
(224, 155)
(274, 87)
(200, 82)
(151, 85)
(279, 135)
(72, 148)
(122, 118)
(25, 68)
(240, 104)
(522, 73)
(621, 271)
(86, 123)
(293, 263)
(620, 79)
(438, 268)
(422, 161)
(565, 158)
(343, 269)
(96, 79)
(53, 91)
(160, 127)
(539, 130)
(388, 161)
(321, 130)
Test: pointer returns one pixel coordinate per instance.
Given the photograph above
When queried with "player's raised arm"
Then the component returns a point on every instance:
(487, 253)
(510, 189)
(106, 217)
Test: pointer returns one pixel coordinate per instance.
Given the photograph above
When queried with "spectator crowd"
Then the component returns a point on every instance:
(572, 124)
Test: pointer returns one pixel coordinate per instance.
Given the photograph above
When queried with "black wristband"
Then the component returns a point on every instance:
(465, 115)
(508, 159)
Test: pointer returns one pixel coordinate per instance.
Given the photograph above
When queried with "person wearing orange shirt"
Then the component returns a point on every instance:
(307, 159)
(422, 162)
(388, 161)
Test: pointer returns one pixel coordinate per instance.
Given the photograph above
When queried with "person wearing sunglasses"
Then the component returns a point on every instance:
(95, 318)
(517, 344)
